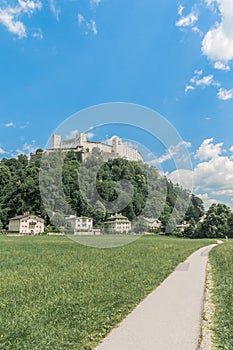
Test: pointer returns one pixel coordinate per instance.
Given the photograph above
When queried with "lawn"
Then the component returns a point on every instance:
(57, 294)
(221, 259)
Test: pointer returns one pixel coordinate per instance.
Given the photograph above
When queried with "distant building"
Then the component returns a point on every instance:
(81, 225)
(116, 149)
(28, 224)
(182, 226)
(118, 223)
(152, 223)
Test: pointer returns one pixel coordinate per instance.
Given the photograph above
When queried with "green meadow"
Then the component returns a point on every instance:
(221, 259)
(58, 294)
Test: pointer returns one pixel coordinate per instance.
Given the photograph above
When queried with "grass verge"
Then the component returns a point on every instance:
(221, 259)
(57, 294)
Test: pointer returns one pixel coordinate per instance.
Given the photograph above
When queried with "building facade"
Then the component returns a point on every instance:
(27, 224)
(152, 223)
(81, 225)
(115, 149)
(118, 223)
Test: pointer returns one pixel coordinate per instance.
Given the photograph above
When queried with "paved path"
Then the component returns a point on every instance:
(170, 317)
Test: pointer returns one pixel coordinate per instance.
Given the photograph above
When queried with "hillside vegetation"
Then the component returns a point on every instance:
(153, 195)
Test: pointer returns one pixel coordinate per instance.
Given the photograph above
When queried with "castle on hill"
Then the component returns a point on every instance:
(115, 149)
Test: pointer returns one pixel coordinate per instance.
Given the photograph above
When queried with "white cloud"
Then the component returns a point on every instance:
(222, 66)
(217, 44)
(14, 26)
(188, 88)
(215, 174)
(88, 26)
(173, 152)
(182, 177)
(28, 6)
(208, 150)
(198, 72)
(150, 155)
(90, 135)
(93, 27)
(207, 200)
(95, 2)
(215, 179)
(81, 19)
(23, 126)
(187, 21)
(9, 16)
(180, 9)
(27, 148)
(2, 151)
(38, 34)
(200, 80)
(210, 2)
(204, 81)
(13, 13)
(224, 94)
(9, 125)
(72, 134)
(212, 176)
(169, 155)
(54, 9)
(186, 144)
(197, 30)
(223, 193)
(211, 180)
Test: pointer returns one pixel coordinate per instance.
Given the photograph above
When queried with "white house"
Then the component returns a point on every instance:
(28, 224)
(152, 223)
(118, 223)
(82, 225)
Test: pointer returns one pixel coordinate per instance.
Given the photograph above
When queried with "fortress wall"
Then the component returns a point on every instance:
(103, 147)
(117, 149)
(69, 143)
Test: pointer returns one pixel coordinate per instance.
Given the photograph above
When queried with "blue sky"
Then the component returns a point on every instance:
(60, 56)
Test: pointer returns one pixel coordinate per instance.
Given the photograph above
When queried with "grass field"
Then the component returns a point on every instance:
(221, 259)
(57, 294)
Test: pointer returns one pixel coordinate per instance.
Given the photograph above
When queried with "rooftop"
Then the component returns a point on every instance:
(115, 217)
(25, 215)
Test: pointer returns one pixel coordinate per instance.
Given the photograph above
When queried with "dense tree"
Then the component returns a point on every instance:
(217, 223)
(230, 226)
(190, 230)
(196, 209)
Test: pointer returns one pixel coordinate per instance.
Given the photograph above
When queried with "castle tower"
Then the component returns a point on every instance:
(82, 139)
(56, 141)
(117, 145)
